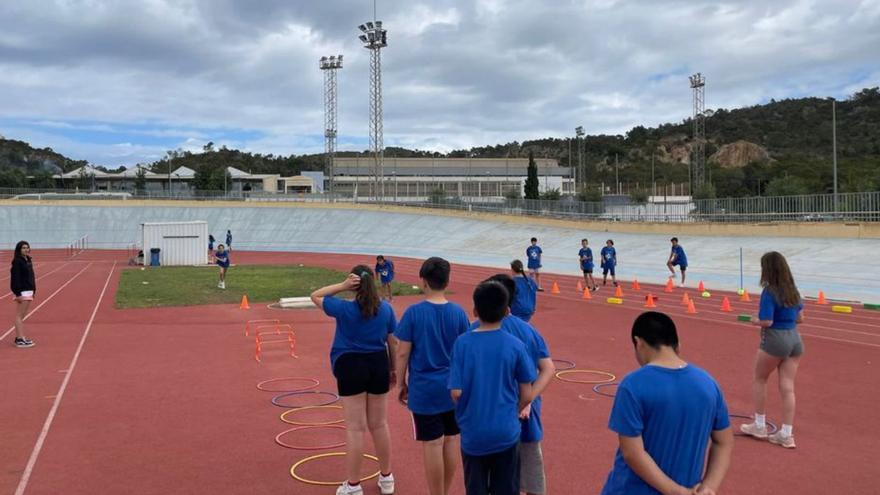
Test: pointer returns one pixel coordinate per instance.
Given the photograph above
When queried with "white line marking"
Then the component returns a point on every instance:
(38, 278)
(25, 477)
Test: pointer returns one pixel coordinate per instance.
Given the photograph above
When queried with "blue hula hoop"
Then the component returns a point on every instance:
(771, 427)
(598, 389)
(333, 398)
(569, 364)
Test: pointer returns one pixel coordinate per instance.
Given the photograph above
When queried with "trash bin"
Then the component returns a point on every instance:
(154, 256)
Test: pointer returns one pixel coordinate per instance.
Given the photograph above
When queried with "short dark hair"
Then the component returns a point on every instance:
(380, 257)
(534, 239)
(490, 301)
(656, 329)
(435, 271)
(609, 241)
(584, 240)
(674, 239)
(508, 283)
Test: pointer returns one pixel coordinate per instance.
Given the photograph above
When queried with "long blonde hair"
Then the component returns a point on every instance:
(776, 277)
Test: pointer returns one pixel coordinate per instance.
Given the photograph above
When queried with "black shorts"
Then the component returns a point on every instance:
(357, 373)
(587, 271)
(433, 426)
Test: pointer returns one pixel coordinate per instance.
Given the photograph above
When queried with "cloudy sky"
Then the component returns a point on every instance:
(118, 82)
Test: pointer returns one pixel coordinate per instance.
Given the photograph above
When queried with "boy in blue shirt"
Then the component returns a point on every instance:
(425, 335)
(664, 414)
(533, 255)
(385, 271)
(229, 239)
(677, 257)
(221, 257)
(609, 261)
(490, 381)
(585, 256)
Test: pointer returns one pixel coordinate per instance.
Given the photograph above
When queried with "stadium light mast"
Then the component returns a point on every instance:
(375, 37)
(329, 65)
(698, 165)
(581, 173)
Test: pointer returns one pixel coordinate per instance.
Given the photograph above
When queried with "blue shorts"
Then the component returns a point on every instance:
(587, 269)
(683, 267)
(223, 265)
(386, 281)
(608, 269)
(534, 267)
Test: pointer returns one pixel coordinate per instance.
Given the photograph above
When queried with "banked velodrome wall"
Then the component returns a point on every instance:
(845, 268)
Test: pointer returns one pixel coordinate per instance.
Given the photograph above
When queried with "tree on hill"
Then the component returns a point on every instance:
(531, 185)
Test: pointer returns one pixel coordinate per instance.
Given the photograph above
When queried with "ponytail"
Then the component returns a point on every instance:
(517, 267)
(367, 297)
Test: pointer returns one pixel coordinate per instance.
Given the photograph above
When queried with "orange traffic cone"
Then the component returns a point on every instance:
(554, 289)
(685, 299)
(587, 294)
(649, 303)
(618, 292)
(745, 296)
(244, 303)
(725, 305)
(821, 299)
(635, 285)
(691, 309)
(580, 286)
(701, 287)
(669, 286)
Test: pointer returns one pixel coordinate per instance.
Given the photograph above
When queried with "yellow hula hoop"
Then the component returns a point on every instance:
(320, 423)
(321, 456)
(561, 374)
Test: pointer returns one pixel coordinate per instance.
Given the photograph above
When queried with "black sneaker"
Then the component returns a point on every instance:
(540, 289)
(22, 342)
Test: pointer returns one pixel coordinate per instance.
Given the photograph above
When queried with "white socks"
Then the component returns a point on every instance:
(760, 420)
(786, 430)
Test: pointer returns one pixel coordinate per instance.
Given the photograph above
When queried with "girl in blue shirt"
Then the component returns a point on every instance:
(525, 301)
(585, 256)
(609, 262)
(221, 257)
(781, 348)
(362, 360)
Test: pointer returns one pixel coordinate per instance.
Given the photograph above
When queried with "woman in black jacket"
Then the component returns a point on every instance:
(24, 286)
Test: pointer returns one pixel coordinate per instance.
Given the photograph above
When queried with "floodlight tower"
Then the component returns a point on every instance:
(330, 65)
(698, 165)
(581, 173)
(374, 38)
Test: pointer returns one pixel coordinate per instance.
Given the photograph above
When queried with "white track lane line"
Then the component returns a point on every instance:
(12, 329)
(26, 476)
(38, 278)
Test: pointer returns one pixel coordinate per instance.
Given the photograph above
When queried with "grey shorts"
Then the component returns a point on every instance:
(781, 343)
(531, 468)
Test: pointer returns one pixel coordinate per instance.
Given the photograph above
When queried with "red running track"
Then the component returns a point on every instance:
(164, 400)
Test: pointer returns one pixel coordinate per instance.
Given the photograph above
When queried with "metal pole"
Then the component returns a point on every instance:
(617, 173)
(834, 146)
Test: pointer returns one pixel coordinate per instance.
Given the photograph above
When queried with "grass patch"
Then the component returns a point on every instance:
(192, 286)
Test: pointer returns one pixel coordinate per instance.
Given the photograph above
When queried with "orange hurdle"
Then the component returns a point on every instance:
(251, 323)
(284, 329)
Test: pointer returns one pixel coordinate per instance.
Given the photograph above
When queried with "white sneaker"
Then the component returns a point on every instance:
(754, 430)
(346, 489)
(222, 285)
(386, 484)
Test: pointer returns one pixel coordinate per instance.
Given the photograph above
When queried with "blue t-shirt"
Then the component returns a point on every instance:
(222, 258)
(432, 330)
(533, 253)
(674, 411)
(609, 256)
(681, 259)
(526, 298)
(229, 239)
(586, 257)
(354, 333)
(488, 367)
(783, 318)
(385, 271)
(536, 348)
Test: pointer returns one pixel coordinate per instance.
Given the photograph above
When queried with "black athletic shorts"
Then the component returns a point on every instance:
(433, 426)
(357, 373)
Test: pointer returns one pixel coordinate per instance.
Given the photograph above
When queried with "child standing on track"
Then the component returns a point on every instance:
(426, 334)
(211, 242)
(362, 358)
(229, 239)
(780, 311)
(490, 381)
(533, 255)
(585, 255)
(23, 285)
(677, 257)
(609, 262)
(385, 270)
(525, 300)
(664, 414)
(221, 257)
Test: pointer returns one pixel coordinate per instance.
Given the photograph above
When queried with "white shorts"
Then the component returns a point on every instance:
(26, 295)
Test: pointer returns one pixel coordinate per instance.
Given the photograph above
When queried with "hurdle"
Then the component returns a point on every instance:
(282, 329)
(251, 323)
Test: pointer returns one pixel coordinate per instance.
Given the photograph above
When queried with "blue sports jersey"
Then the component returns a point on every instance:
(609, 256)
(488, 367)
(674, 411)
(586, 257)
(432, 330)
(229, 239)
(681, 259)
(783, 318)
(526, 298)
(536, 348)
(533, 254)
(354, 333)
(385, 271)
(222, 258)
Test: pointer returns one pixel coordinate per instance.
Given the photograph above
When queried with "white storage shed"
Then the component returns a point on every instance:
(181, 243)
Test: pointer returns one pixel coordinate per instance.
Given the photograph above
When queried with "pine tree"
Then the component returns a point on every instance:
(531, 187)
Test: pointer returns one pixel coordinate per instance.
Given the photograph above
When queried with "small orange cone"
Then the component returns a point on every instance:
(685, 299)
(618, 292)
(701, 287)
(725, 305)
(745, 297)
(649, 303)
(587, 294)
(669, 286)
(635, 285)
(691, 309)
(821, 299)
(244, 303)
(554, 289)
(580, 286)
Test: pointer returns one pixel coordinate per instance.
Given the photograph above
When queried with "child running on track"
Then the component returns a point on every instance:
(385, 270)
(490, 381)
(781, 348)
(362, 358)
(609, 262)
(664, 414)
(221, 257)
(426, 334)
(23, 286)
(677, 257)
(533, 255)
(525, 300)
(585, 256)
